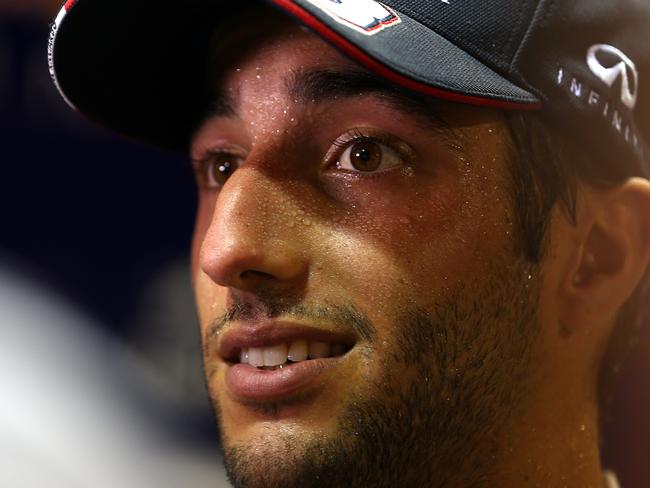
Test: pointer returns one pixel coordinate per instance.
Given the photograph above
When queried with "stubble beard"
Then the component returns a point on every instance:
(451, 385)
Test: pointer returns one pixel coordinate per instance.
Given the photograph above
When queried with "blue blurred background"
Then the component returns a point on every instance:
(100, 357)
(100, 365)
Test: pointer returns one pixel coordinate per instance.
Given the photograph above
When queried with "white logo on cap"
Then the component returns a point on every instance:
(365, 16)
(623, 68)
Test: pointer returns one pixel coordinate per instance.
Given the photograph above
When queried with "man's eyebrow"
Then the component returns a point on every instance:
(319, 86)
(222, 104)
(326, 85)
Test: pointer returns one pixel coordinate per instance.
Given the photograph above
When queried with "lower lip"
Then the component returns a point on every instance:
(250, 383)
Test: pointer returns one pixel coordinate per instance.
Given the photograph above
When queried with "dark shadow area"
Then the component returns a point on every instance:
(95, 213)
(100, 227)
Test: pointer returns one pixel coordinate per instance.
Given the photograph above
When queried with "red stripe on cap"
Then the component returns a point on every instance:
(69, 4)
(353, 51)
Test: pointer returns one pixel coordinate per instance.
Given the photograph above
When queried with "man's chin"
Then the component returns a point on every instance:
(304, 414)
(284, 442)
(285, 456)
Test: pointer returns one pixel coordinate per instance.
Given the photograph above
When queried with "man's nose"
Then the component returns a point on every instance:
(249, 242)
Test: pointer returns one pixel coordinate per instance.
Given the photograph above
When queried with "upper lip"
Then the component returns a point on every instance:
(267, 334)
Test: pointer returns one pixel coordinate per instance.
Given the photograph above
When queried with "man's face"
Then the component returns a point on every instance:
(336, 219)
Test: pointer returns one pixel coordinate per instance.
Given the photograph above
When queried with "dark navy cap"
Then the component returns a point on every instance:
(138, 67)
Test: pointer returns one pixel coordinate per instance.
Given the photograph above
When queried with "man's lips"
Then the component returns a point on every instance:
(247, 382)
(234, 340)
(311, 353)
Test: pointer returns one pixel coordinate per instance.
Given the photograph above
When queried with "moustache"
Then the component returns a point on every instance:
(343, 315)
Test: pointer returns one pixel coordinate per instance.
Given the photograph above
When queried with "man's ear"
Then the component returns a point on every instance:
(613, 253)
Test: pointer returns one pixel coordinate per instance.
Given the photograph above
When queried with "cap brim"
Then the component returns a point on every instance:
(137, 68)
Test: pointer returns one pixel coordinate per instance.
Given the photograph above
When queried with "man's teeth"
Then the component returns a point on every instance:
(298, 351)
(295, 351)
(319, 350)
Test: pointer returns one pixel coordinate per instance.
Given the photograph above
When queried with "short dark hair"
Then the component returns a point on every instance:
(546, 168)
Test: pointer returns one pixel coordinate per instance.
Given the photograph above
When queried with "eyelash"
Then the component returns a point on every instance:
(354, 135)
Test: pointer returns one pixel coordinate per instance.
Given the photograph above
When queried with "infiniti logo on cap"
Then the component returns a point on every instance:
(622, 67)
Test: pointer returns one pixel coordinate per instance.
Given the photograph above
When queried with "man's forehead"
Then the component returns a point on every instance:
(321, 85)
(304, 70)
(276, 48)
(258, 28)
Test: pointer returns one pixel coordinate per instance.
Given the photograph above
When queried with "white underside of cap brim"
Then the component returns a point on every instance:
(50, 53)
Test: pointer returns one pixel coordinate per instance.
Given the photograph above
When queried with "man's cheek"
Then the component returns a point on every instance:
(355, 270)
(208, 297)
(396, 249)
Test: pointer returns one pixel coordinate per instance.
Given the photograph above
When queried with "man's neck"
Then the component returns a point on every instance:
(554, 445)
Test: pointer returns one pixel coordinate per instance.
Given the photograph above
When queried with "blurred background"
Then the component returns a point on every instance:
(100, 357)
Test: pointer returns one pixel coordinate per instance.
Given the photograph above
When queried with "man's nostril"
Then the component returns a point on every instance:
(253, 273)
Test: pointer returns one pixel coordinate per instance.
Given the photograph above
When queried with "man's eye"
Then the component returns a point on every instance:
(216, 169)
(367, 156)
